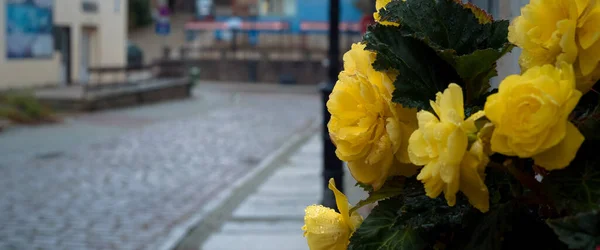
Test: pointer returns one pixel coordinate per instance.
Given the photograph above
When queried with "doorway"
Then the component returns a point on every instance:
(84, 56)
(62, 38)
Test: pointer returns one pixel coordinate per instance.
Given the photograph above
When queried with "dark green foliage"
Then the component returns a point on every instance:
(383, 230)
(21, 107)
(14, 115)
(507, 226)
(422, 212)
(476, 70)
(577, 187)
(392, 187)
(439, 42)
(581, 231)
(446, 26)
(447, 32)
(587, 116)
(408, 221)
(365, 187)
(490, 230)
(422, 72)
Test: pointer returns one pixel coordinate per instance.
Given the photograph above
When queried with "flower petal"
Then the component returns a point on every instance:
(588, 33)
(472, 183)
(500, 144)
(342, 203)
(370, 174)
(418, 152)
(561, 155)
(452, 104)
(567, 42)
(401, 169)
(324, 229)
(431, 179)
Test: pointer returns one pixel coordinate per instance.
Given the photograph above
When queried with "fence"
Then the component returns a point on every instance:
(257, 52)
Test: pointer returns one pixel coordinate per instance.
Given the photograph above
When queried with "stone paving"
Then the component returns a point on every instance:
(130, 190)
(272, 217)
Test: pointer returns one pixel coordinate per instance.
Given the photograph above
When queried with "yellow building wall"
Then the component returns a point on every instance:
(108, 40)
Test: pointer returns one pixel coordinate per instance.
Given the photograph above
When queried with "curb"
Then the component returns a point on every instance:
(209, 212)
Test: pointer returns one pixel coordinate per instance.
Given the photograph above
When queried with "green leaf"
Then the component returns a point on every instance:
(510, 225)
(581, 231)
(368, 188)
(446, 25)
(476, 69)
(588, 116)
(590, 127)
(488, 234)
(577, 187)
(424, 213)
(422, 72)
(383, 231)
(391, 188)
(456, 34)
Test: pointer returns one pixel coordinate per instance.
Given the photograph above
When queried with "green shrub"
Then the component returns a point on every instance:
(24, 108)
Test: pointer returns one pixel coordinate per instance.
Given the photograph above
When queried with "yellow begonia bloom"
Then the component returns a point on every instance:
(531, 116)
(441, 145)
(369, 130)
(556, 31)
(325, 229)
(380, 4)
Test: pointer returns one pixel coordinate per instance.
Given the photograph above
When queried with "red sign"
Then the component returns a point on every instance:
(261, 26)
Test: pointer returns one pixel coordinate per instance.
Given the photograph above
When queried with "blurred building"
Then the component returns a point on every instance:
(508, 10)
(48, 42)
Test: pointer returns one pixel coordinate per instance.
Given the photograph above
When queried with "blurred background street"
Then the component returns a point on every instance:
(172, 124)
(124, 179)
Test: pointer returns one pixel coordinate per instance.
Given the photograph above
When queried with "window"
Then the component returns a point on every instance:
(89, 6)
(117, 6)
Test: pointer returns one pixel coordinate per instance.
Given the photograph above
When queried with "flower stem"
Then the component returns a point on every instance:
(525, 179)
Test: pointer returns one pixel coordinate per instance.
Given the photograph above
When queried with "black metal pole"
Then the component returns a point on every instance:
(332, 166)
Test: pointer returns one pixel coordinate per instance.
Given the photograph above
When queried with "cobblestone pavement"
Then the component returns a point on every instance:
(128, 191)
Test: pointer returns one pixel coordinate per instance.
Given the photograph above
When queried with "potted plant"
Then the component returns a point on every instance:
(452, 162)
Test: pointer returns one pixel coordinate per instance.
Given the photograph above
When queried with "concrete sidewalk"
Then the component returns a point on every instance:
(272, 217)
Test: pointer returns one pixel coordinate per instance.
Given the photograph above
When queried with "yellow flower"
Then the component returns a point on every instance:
(370, 131)
(531, 115)
(325, 229)
(380, 4)
(484, 137)
(556, 31)
(441, 145)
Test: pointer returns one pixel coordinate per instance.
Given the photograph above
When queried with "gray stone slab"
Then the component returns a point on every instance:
(291, 189)
(296, 172)
(288, 200)
(293, 177)
(256, 207)
(291, 241)
(311, 149)
(313, 160)
(262, 227)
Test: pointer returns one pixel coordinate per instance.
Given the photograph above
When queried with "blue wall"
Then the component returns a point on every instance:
(318, 10)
